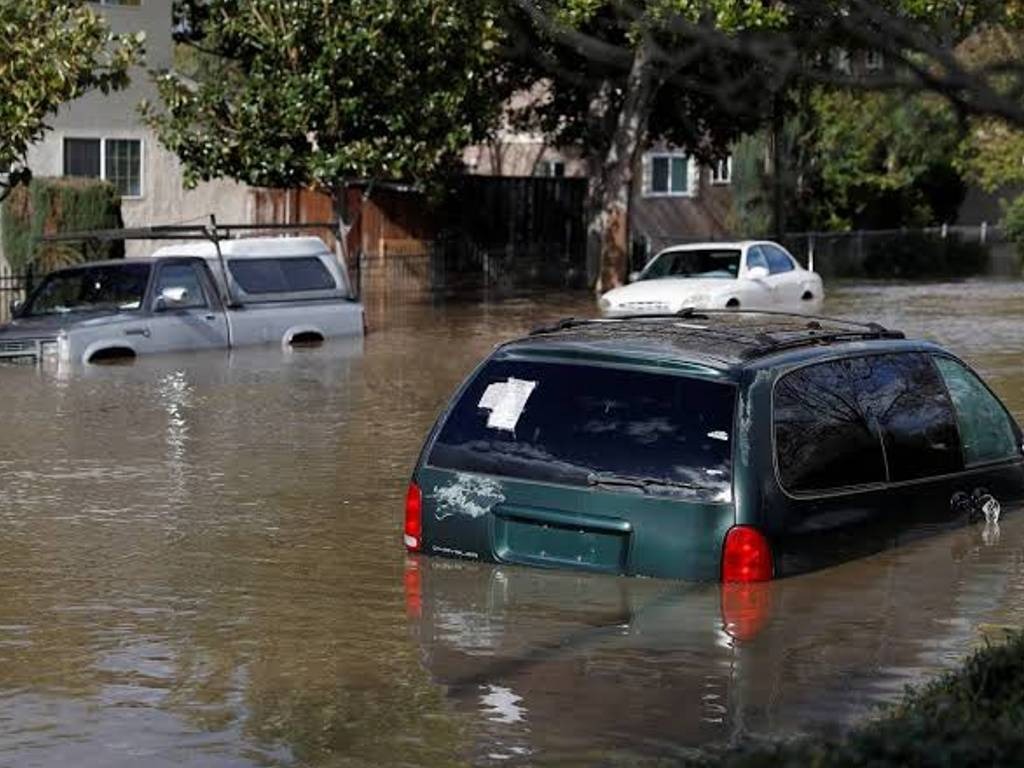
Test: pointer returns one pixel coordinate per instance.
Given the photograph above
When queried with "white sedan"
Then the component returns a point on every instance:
(743, 275)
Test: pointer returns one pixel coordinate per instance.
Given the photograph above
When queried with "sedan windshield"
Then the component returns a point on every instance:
(711, 262)
(111, 287)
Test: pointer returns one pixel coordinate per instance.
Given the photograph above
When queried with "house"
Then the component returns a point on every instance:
(673, 197)
(101, 136)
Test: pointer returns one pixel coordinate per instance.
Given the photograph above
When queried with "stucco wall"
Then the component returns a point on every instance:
(115, 116)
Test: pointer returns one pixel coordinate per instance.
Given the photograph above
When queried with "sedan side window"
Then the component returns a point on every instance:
(778, 260)
(986, 431)
(182, 276)
(755, 258)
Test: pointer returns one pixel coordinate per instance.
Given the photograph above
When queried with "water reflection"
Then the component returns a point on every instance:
(636, 668)
(201, 565)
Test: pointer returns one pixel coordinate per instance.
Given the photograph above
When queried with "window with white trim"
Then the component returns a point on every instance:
(841, 60)
(551, 168)
(118, 161)
(874, 61)
(721, 171)
(669, 174)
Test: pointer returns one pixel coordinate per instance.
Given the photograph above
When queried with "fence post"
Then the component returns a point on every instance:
(810, 252)
(984, 232)
(945, 230)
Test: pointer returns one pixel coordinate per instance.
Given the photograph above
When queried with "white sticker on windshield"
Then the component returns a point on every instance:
(506, 400)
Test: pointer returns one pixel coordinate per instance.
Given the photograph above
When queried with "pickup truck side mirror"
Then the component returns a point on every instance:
(757, 273)
(633, 277)
(170, 298)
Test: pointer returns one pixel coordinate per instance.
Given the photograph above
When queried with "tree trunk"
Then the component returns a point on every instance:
(608, 228)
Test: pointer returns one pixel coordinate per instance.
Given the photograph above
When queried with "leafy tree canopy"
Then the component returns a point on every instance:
(53, 51)
(316, 94)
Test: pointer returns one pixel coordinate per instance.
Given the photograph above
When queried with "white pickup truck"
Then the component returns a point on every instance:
(281, 290)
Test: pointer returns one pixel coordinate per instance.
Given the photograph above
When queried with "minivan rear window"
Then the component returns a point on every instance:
(282, 275)
(580, 424)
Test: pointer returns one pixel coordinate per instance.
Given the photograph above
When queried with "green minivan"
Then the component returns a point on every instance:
(711, 445)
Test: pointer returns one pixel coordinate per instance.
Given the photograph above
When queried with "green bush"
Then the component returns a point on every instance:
(48, 206)
(1013, 223)
(971, 717)
(918, 255)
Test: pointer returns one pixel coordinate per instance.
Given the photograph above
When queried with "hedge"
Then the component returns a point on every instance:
(52, 205)
(973, 716)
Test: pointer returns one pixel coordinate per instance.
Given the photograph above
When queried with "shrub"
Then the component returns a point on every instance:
(918, 254)
(1013, 223)
(973, 716)
(49, 206)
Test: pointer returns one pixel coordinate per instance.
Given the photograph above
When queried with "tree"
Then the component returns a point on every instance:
(319, 94)
(54, 51)
(621, 75)
(624, 73)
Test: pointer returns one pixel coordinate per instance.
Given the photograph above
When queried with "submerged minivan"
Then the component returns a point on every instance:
(733, 446)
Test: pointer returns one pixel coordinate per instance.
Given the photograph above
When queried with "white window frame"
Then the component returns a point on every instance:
(841, 60)
(874, 61)
(103, 157)
(545, 168)
(722, 179)
(690, 190)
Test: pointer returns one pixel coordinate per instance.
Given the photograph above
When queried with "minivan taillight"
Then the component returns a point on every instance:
(413, 518)
(746, 555)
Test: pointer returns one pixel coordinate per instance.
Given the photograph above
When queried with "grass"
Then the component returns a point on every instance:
(973, 716)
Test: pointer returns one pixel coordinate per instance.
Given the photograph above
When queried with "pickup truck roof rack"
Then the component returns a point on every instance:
(811, 330)
(212, 232)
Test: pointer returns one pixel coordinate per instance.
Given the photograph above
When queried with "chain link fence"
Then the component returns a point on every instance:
(933, 252)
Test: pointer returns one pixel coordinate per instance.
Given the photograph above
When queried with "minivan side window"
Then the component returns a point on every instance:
(863, 421)
(986, 431)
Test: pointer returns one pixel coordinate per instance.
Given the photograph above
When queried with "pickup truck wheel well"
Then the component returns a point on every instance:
(112, 355)
(306, 338)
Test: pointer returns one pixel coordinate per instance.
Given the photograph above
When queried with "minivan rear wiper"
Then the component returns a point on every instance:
(645, 484)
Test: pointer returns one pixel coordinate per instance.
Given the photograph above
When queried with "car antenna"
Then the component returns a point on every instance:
(211, 232)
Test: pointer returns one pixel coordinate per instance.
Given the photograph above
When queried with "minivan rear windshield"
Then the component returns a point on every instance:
(580, 424)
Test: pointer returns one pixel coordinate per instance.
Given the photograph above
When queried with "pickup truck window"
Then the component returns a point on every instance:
(108, 287)
(182, 276)
(284, 275)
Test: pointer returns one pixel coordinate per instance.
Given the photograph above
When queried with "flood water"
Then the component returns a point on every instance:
(201, 565)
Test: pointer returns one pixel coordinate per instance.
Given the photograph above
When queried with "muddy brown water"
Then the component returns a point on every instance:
(201, 565)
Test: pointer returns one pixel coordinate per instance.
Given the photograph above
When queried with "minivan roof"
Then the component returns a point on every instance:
(725, 340)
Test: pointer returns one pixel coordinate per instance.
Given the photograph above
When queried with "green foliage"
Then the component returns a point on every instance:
(1013, 222)
(53, 52)
(855, 160)
(48, 206)
(971, 717)
(317, 94)
(878, 154)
